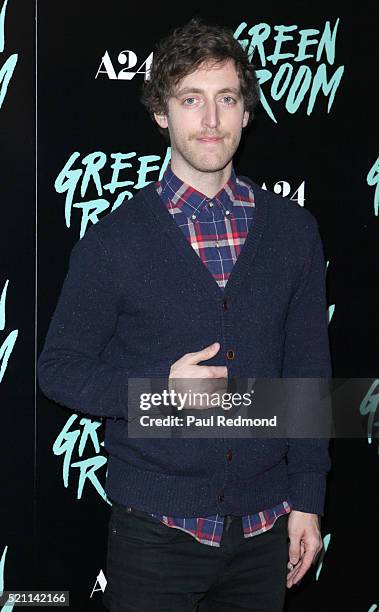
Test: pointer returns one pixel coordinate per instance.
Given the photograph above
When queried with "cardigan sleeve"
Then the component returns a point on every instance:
(70, 368)
(307, 355)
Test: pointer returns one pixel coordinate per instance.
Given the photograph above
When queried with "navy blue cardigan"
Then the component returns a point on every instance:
(137, 297)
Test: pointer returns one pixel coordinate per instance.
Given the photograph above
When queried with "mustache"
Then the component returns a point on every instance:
(206, 135)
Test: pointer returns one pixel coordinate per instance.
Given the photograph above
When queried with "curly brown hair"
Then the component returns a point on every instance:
(183, 51)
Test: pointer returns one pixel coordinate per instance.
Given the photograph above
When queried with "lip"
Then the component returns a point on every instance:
(210, 139)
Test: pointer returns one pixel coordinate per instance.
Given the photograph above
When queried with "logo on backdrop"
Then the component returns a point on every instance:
(285, 58)
(6, 73)
(85, 174)
(285, 73)
(369, 407)
(7, 346)
(101, 581)
(129, 60)
(8, 606)
(373, 181)
(71, 443)
(7, 69)
(326, 541)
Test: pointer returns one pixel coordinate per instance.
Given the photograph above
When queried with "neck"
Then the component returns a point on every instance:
(208, 183)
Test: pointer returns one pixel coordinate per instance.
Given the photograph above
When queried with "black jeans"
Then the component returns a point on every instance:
(155, 568)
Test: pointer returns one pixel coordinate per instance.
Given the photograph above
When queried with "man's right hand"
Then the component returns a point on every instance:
(212, 377)
(187, 366)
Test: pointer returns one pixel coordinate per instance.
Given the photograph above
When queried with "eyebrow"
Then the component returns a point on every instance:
(187, 90)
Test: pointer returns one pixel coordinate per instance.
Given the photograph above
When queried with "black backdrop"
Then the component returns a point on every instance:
(53, 523)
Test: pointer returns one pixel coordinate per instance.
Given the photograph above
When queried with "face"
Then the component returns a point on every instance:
(205, 119)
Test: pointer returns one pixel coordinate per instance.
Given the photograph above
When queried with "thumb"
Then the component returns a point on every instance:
(205, 353)
(294, 549)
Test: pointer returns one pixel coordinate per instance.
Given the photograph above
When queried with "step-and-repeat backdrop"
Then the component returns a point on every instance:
(75, 144)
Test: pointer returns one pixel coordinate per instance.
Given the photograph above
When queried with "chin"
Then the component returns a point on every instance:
(214, 167)
(210, 165)
(211, 168)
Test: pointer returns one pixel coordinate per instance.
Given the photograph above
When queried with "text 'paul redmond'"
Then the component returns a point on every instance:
(218, 420)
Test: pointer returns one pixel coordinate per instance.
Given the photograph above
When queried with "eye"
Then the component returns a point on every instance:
(189, 101)
(229, 100)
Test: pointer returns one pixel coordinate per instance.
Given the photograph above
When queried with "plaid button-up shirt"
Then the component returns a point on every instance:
(216, 228)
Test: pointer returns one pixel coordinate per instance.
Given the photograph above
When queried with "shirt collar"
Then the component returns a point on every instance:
(179, 195)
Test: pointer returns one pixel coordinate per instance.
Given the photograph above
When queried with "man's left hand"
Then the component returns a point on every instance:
(305, 544)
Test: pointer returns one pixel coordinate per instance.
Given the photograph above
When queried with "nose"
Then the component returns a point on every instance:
(211, 114)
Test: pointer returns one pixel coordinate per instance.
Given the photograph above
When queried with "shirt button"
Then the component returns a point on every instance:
(217, 245)
(227, 212)
(221, 497)
(230, 354)
(229, 454)
(193, 216)
(210, 204)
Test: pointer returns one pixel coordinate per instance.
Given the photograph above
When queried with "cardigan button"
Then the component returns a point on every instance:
(225, 305)
(230, 354)
(229, 455)
(221, 497)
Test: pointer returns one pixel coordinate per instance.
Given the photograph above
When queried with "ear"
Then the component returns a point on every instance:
(245, 119)
(161, 120)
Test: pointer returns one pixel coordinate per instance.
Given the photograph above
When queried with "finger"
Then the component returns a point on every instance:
(217, 371)
(294, 549)
(302, 548)
(305, 564)
(203, 355)
(199, 371)
(292, 566)
(317, 555)
(293, 574)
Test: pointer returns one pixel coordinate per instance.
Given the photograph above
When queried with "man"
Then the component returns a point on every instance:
(202, 275)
